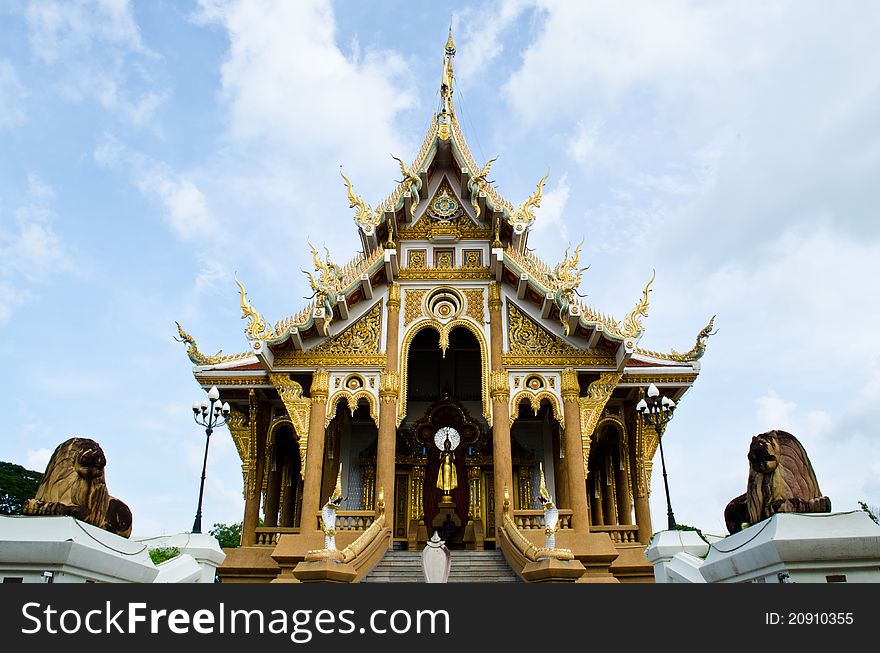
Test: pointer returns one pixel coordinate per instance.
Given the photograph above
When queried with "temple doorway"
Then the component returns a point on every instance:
(444, 444)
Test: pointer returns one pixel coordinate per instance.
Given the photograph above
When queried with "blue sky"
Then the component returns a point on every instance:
(149, 150)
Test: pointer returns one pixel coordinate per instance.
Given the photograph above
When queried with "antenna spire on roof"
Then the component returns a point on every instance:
(446, 80)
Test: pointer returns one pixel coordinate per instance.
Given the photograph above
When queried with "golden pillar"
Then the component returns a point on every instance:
(389, 390)
(499, 391)
(315, 455)
(256, 460)
(641, 482)
(624, 496)
(574, 453)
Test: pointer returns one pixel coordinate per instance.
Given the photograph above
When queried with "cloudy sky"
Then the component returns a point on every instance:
(149, 150)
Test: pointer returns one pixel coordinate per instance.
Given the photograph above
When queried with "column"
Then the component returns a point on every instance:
(256, 456)
(389, 391)
(574, 453)
(289, 482)
(273, 488)
(609, 509)
(311, 502)
(499, 391)
(640, 487)
(624, 497)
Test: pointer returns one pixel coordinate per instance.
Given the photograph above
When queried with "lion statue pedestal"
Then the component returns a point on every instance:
(74, 485)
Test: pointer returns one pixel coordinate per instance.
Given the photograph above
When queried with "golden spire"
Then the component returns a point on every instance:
(450, 44)
(336, 497)
(447, 78)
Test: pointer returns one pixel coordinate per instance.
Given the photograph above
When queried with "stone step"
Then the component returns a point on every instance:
(466, 567)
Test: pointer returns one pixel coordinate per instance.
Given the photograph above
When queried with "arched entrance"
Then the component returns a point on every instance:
(444, 395)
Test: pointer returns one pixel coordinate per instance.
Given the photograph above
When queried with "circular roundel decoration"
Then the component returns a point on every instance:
(444, 205)
(354, 383)
(444, 304)
(534, 383)
(446, 432)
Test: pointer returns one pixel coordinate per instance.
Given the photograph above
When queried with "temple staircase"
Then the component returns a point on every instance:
(467, 567)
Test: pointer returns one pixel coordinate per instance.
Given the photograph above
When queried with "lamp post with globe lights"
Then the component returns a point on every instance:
(210, 413)
(657, 411)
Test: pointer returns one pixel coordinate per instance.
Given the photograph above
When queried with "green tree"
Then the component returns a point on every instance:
(229, 535)
(17, 484)
(873, 511)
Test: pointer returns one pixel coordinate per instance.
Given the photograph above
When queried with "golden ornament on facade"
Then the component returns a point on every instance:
(591, 407)
(298, 411)
(389, 386)
(475, 306)
(632, 323)
(393, 296)
(320, 388)
(412, 309)
(494, 296)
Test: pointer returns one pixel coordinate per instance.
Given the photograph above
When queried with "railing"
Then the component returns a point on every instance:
(619, 534)
(530, 520)
(350, 520)
(270, 535)
(523, 546)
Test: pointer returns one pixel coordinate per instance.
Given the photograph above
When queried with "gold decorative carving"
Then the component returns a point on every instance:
(393, 297)
(632, 323)
(320, 388)
(479, 182)
(197, 357)
(499, 387)
(352, 399)
(695, 353)
(252, 444)
(494, 296)
(535, 398)
(411, 179)
(444, 258)
(591, 407)
(570, 388)
(444, 330)
(453, 274)
(475, 309)
(389, 386)
(256, 328)
(417, 259)
(357, 345)
(524, 216)
(220, 381)
(472, 258)
(527, 337)
(412, 308)
(298, 410)
(460, 227)
(364, 216)
(658, 379)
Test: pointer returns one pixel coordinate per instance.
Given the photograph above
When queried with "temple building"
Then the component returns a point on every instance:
(440, 376)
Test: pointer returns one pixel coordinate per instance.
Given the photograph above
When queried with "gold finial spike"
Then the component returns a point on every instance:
(450, 44)
(256, 328)
(632, 324)
(544, 493)
(337, 491)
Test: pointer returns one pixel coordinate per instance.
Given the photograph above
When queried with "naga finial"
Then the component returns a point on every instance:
(328, 282)
(412, 179)
(543, 493)
(192, 349)
(475, 184)
(699, 348)
(524, 216)
(256, 328)
(632, 323)
(566, 277)
(363, 216)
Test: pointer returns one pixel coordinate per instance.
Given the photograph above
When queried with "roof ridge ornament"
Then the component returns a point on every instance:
(524, 216)
(192, 349)
(476, 184)
(256, 329)
(413, 180)
(632, 323)
(566, 277)
(328, 283)
(699, 348)
(364, 217)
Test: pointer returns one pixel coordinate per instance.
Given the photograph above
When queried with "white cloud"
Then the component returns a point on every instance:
(37, 459)
(774, 412)
(98, 47)
(31, 251)
(550, 230)
(289, 85)
(12, 96)
(186, 209)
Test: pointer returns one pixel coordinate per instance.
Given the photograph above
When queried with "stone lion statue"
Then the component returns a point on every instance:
(74, 485)
(781, 479)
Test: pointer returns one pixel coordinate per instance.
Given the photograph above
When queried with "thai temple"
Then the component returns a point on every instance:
(446, 380)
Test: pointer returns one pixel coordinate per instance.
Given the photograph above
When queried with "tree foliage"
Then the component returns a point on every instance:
(873, 511)
(17, 484)
(162, 553)
(228, 535)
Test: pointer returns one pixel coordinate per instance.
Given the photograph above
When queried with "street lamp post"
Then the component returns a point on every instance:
(657, 411)
(210, 414)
